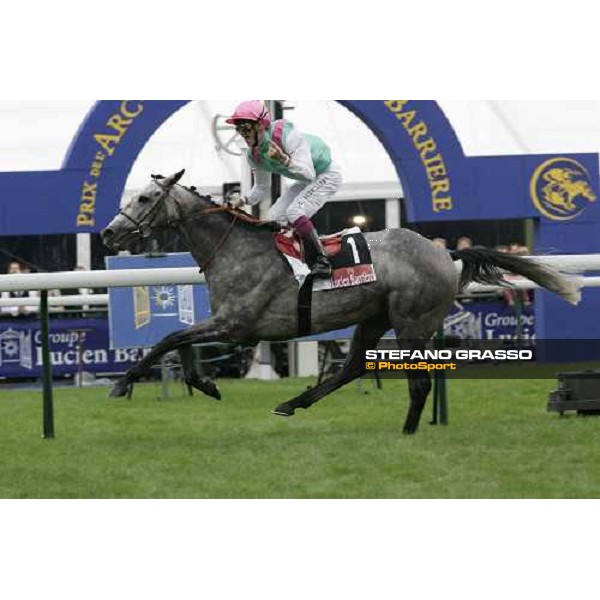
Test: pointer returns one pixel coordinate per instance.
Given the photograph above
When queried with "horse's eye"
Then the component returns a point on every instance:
(156, 194)
(143, 199)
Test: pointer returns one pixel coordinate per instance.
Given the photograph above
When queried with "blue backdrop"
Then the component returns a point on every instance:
(559, 191)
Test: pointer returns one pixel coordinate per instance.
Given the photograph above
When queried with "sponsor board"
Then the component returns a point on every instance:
(75, 345)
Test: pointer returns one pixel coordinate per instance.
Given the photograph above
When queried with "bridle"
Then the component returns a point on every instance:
(144, 223)
(142, 226)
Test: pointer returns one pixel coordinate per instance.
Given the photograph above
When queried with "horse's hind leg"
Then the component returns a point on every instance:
(410, 336)
(419, 386)
(366, 336)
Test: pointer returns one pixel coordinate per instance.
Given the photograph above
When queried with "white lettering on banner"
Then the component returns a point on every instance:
(70, 357)
(491, 334)
(133, 355)
(57, 358)
(71, 338)
(98, 356)
(493, 319)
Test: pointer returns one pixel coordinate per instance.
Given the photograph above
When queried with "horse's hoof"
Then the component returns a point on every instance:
(283, 411)
(121, 389)
(209, 387)
(409, 430)
(205, 385)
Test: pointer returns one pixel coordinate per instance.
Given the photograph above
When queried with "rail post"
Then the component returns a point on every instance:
(440, 395)
(48, 405)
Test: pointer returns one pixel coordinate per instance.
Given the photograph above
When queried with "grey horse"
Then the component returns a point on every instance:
(254, 296)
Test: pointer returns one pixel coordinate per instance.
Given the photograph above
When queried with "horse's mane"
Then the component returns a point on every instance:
(242, 217)
(230, 213)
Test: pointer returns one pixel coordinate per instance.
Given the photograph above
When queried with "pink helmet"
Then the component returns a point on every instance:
(251, 110)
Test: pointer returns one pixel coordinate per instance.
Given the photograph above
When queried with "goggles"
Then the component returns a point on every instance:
(244, 127)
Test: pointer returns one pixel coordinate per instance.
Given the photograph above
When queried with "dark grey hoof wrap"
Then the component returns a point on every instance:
(283, 411)
(121, 389)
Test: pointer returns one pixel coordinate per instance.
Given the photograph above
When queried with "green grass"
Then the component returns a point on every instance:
(500, 443)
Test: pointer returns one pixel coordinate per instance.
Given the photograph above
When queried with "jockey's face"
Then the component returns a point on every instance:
(249, 130)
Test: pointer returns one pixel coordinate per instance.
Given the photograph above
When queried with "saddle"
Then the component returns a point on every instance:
(347, 250)
(350, 261)
(289, 243)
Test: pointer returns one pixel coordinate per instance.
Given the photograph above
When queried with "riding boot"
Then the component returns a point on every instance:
(320, 267)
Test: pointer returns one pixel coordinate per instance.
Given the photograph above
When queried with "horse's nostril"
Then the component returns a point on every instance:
(107, 233)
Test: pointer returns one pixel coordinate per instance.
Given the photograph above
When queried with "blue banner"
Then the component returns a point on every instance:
(75, 345)
(490, 320)
(484, 320)
(142, 316)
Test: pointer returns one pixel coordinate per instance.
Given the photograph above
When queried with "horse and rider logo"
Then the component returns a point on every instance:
(561, 189)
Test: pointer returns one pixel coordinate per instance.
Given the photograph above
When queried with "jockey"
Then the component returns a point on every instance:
(277, 147)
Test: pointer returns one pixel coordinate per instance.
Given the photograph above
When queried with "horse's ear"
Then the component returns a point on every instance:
(173, 179)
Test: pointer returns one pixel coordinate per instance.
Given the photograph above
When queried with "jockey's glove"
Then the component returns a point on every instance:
(236, 200)
(277, 154)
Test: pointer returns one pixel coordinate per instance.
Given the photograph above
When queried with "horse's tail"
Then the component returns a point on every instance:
(483, 265)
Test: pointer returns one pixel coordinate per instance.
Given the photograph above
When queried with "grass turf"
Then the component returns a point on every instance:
(500, 443)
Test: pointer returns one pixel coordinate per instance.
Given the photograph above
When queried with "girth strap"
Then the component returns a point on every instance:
(305, 306)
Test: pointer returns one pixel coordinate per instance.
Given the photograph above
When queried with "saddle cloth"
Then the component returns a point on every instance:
(348, 253)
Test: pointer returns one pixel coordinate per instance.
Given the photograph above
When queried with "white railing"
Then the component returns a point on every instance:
(577, 263)
(80, 300)
(100, 279)
(571, 263)
(525, 284)
(566, 263)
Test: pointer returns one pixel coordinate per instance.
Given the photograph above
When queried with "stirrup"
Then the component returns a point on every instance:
(321, 268)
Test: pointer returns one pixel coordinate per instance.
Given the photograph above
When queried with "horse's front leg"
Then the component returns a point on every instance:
(208, 331)
(193, 378)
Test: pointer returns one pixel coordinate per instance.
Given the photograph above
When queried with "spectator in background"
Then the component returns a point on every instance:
(510, 295)
(440, 241)
(76, 310)
(464, 242)
(519, 249)
(15, 268)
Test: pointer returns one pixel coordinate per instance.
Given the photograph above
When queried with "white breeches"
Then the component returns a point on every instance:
(305, 199)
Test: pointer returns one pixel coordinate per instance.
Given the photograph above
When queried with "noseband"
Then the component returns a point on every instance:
(143, 226)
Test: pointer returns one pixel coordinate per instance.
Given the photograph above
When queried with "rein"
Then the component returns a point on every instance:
(205, 213)
(222, 241)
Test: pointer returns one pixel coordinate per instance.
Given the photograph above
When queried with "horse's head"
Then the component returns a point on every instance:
(143, 215)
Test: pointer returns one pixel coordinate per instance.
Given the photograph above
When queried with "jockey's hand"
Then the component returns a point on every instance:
(236, 200)
(274, 152)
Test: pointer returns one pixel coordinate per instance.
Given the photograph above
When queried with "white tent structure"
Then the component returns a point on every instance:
(36, 135)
